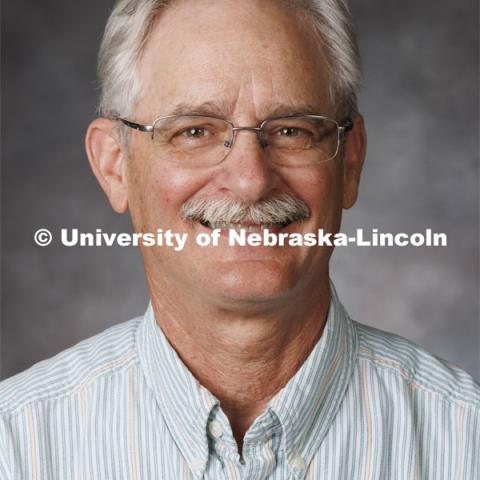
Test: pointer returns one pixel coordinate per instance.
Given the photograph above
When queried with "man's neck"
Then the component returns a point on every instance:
(244, 359)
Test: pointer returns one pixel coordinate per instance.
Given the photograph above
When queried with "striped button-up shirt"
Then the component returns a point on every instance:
(123, 406)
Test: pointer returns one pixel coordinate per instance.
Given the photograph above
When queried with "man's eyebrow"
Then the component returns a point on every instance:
(205, 108)
(223, 111)
(290, 110)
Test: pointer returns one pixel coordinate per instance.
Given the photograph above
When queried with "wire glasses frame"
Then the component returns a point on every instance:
(199, 138)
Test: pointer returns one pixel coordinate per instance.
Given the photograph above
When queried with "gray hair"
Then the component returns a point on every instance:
(131, 21)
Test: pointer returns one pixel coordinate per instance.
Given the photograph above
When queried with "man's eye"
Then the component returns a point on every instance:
(294, 132)
(289, 131)
(192, 137)
(195, 132)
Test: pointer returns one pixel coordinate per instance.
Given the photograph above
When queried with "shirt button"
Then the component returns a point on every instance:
(197, 464)
(215, 429)
(298, 463)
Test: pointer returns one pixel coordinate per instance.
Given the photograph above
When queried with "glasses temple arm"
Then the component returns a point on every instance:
(347, 126)
(137, 126)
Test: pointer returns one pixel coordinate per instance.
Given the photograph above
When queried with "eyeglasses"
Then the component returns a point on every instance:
(203, 141)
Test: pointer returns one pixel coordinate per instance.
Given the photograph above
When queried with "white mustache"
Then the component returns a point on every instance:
(281, 209)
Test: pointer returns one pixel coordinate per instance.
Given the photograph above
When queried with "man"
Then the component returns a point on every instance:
(218, 116)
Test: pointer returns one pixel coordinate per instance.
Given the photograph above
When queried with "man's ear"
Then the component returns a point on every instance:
(354, 155)
(108, 161)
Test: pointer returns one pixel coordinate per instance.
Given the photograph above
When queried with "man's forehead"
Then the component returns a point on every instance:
(180, 87)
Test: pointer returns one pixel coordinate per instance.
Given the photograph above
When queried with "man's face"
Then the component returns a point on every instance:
(245, 61)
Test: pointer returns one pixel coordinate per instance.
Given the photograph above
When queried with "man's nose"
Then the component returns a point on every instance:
(247, 172)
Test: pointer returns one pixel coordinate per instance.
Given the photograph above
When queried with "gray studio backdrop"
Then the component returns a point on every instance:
(419, 99)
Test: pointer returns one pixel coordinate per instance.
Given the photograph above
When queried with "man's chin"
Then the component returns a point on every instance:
(250, 283)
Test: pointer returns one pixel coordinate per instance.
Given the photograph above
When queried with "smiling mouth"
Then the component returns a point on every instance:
(248, 227)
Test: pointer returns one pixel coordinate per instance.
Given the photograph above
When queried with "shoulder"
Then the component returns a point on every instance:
(73, 369)
(391, 354)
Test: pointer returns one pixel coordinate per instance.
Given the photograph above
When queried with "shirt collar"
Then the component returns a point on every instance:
(308, 403)
(185, 404)
(305, 407)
